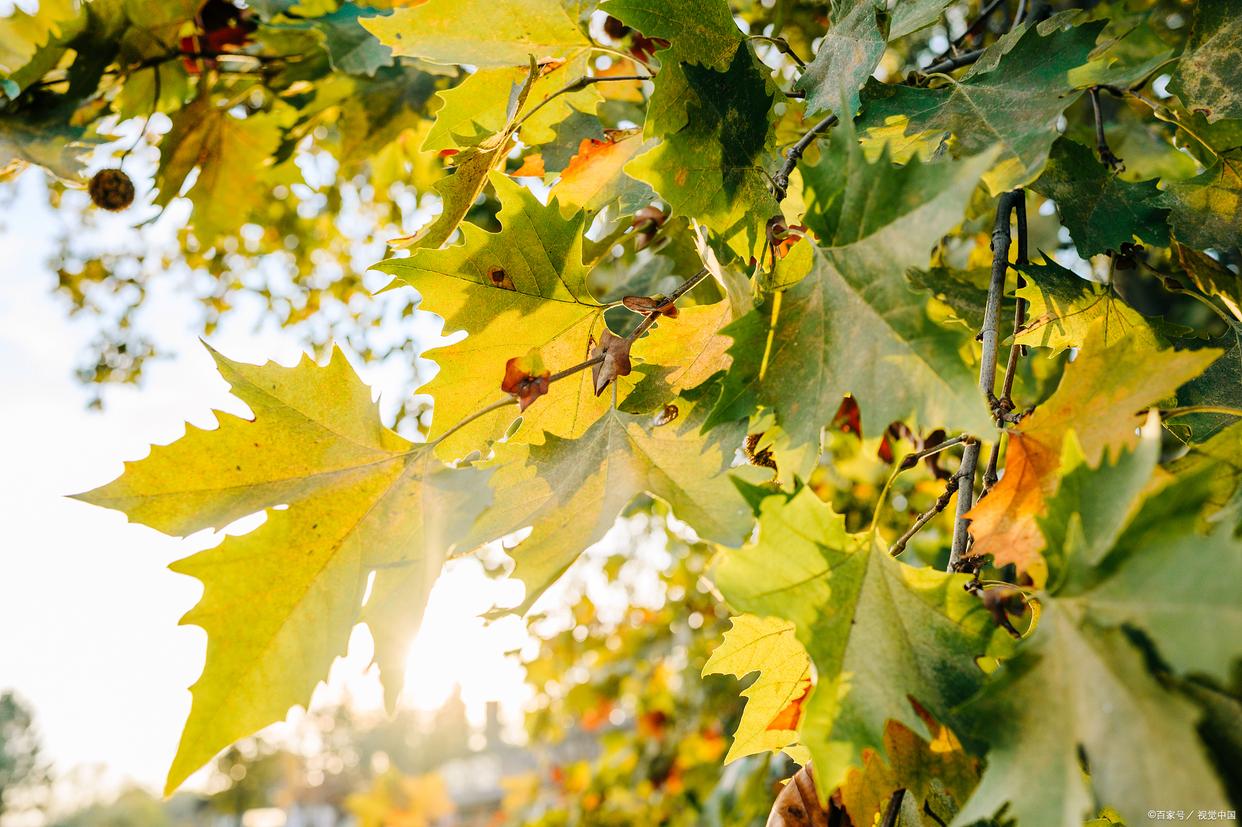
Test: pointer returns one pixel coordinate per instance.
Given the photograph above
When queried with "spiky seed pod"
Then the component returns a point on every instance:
(111, 189)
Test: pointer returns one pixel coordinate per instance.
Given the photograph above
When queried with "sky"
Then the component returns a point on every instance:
(89, 632)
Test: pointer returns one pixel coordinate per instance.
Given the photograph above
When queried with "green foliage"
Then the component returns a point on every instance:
(706, 312)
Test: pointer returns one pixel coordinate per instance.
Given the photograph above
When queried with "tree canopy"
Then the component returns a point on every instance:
(924, 316)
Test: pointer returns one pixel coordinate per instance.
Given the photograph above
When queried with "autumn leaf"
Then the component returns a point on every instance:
(229, 153)
(1099, 396)
(448, 31)
(571, 491)
(512, 291)
(279, 602)
(847, 598)
(774, 701)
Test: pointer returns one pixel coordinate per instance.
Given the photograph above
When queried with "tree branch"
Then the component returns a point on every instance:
(1010, 203)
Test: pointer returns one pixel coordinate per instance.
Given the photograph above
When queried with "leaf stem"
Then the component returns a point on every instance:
(1101, 140)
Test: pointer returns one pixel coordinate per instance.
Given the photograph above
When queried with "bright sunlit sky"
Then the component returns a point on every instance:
(89, 613)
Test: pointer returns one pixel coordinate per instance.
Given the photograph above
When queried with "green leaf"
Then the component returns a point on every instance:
(46, 138)
(478, 107)
(231, 155)
(1076, 685)
(572, 490)
(21, 33)
(911, 15)
(520, 289)
(714, 169)
(474, 32)
(702, 32)
(279, 603)
(1206, 211)
(459, 191)
(847, 55)
(1218, 386)
(854, 325)
(878, 631)
(1132, 558)
(1012, 99)
(1207, 78)
(1062, 307)
(1100, 210)
(352, 48)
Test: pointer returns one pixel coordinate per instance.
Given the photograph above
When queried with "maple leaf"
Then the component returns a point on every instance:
(470, 174)
(1099, 396)
(1207, 77)
(279, 603)
(691, 350)
(512, 291)
(1101, 211)
(572, 490)
(1206, 211)
(878, 631)
(853, 325)
(1012, 97)
(846, 57)
(594, 177)
(481, 105)
(1128, 557)
(937, 776)
(1062, 308)
(774, 700)
(22, 33)
(230, 154)
(713, 168)
(449, 31)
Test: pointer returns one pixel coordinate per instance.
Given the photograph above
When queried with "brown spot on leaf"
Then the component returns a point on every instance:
(497, 277)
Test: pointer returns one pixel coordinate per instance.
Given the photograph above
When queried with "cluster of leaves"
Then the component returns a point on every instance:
(741, 313)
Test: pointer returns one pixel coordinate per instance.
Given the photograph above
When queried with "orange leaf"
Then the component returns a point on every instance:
(787, 718)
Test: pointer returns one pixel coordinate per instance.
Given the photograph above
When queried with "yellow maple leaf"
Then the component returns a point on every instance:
(343, 496)
(770, 647)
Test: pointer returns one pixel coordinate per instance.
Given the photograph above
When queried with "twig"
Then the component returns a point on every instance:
(574, 86)
(910, 460)
(1101, 141)
(650, 318)
(780, 181)
(894, 809)
(942, 502)
(951, 63)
